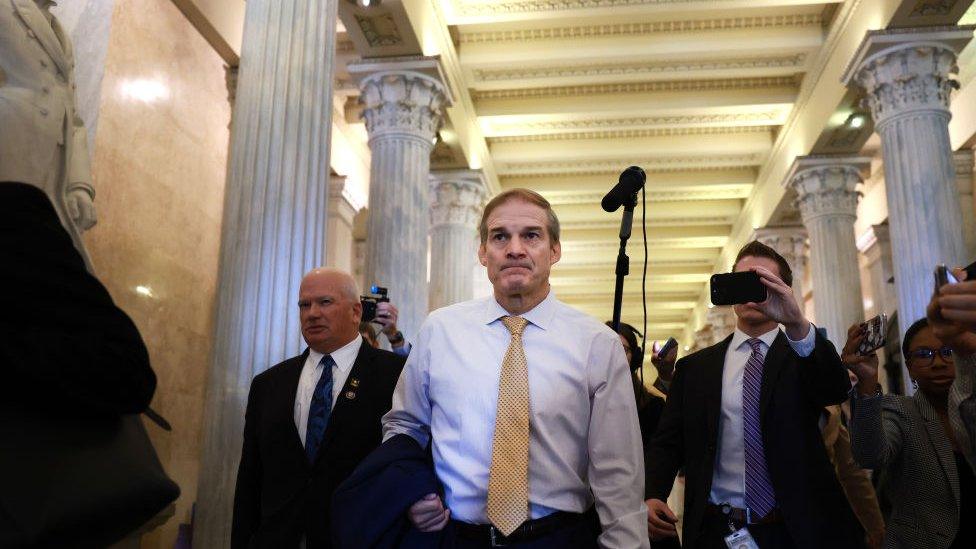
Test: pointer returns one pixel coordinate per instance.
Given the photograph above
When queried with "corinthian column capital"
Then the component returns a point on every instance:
(906, 71)
(402, 97)
(457, 197)
(788, 241)
(827, 185)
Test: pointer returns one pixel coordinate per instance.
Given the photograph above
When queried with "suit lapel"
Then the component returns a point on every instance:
(712, 369)
(354, 384)
(772, 367)
(43, 31)
(940, 442)
(290, 377)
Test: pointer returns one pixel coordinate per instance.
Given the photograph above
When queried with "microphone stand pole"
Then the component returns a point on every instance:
(623, 262)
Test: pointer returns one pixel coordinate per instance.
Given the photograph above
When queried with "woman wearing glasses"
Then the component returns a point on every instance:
(931, 483)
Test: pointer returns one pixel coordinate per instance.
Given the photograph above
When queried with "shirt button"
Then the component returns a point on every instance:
(43, 112)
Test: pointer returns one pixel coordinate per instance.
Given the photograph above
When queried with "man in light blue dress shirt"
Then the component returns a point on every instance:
(584, 445)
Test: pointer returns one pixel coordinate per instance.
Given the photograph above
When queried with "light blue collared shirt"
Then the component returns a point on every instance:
(729, 475)
(585, 442)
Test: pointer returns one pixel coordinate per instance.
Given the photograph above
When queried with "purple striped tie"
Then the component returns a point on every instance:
(760, 498)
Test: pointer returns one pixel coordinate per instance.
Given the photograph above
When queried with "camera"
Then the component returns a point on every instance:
(377, 294)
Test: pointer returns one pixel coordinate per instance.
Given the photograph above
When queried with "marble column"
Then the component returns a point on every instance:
(907, 77)
(274, 221)
(721, 321)
(827, 200)
(875, 244)
(342, 209)
(791, 243)
(963, 159)
(403, 105)
(457, 198)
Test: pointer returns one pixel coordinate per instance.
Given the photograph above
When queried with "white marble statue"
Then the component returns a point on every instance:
(42, 138)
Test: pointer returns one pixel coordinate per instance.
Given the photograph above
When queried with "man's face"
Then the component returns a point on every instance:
(519, 252)
(329, 319)
(745, 312)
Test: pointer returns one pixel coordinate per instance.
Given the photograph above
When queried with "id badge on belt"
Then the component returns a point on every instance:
(741, 539)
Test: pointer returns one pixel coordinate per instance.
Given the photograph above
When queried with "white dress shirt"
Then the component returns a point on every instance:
(584, 433)
(344, 358)
(729, 475)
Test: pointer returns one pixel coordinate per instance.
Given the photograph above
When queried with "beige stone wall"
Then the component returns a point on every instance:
(159, 165)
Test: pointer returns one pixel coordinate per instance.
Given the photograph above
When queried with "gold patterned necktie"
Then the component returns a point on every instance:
(508, 481)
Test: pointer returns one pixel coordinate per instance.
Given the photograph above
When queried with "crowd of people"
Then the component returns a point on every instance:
(515, 420)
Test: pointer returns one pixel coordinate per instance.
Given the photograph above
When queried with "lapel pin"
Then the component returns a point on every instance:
(354, 382)
(350, 395)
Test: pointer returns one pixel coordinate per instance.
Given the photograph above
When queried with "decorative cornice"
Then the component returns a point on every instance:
(631, 134)
(766, 118)
(632, 29)
(680, 162)
(643, 68)
(680, 195)
(723, 84)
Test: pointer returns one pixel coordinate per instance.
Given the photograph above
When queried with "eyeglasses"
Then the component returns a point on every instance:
(924, 356)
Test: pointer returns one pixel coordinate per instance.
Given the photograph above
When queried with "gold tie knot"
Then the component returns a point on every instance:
(515, 324)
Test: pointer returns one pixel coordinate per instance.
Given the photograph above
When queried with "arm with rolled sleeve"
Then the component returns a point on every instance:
(824, 375)
(410, 414)
(616, 470)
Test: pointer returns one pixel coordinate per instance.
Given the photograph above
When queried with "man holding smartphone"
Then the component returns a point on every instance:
(742, 419)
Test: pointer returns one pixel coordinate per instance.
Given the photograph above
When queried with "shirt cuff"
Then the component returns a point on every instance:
(804, 347)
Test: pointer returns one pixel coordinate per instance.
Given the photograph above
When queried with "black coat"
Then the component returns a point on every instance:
(794, 392)
(65, 345)
(371, 505)
(280, 496)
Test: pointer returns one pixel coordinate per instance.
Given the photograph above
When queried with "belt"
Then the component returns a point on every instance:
(742, 516)
(528, 531)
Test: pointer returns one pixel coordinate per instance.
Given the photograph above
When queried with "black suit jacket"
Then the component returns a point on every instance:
(280, 496)
(793, 394)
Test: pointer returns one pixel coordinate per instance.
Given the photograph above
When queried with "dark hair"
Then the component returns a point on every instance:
(525, 195)
(910, 334)
(758, 249)
(630, 334)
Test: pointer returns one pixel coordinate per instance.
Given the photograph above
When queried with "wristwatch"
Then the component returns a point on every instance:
(396, 338)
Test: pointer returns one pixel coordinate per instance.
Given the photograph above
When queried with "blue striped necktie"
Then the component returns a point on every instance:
(320, 409)
(760, 498)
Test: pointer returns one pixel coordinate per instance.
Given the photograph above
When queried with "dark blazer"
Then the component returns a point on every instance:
(793, 395)
(280, 496)
(371, 505)
(65, 345)
(905, 436)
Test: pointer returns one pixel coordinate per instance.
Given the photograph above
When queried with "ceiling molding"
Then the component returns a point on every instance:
(763, 118)
(675, 162)
(796, 62)
(635, 133)
(622, 29)
(681, 195)
(723, 84)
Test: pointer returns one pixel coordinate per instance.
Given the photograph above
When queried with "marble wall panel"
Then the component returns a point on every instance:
(159, 167)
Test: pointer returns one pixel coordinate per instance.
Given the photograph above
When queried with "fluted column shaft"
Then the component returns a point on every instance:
(827, 200)
(273, 229)
(457, 200)
(963, 159)
(908, 82)
(403, 110)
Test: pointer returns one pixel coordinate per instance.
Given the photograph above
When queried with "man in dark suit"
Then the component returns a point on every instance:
(310, 420)
(742, 419)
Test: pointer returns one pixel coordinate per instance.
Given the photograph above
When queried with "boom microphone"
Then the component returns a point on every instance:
(631, 180)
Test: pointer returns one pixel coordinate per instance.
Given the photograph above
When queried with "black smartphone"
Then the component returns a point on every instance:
(874, 338)
(668, 346)
(735, 288)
